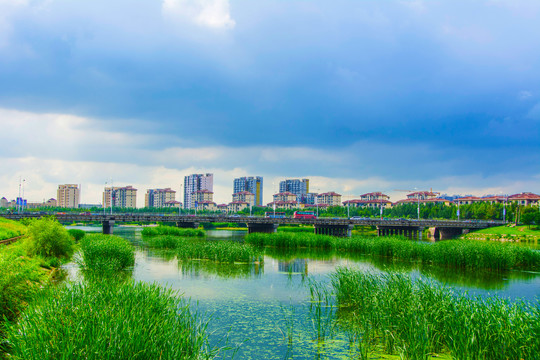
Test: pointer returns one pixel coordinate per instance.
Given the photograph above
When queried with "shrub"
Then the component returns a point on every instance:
(76, 234)
(48, 238)
(109, 321)
(106, 253)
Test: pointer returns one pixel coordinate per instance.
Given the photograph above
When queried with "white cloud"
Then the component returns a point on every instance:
(534, 112)
(207, 13)
(524, 95)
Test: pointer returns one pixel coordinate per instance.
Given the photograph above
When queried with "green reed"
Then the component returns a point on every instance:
(289, 240)
(220, 251)
(164, 242)
(417, 319)
(466, 254)
(111, 320)
(222, 270)
(106, 253)
(171, 230)
(76, 234)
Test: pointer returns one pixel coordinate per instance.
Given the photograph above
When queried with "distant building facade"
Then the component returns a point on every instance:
(244, 196)
(68, 195)
(330, 198)
(124, 197)
(252, 184)
(298, 187)
(158, 198)
(194, 183)
(4, 203)
(285, 196)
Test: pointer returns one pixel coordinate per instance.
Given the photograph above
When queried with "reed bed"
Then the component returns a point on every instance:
(120, 320)
(417, 319)
(222, 270)
(173, 231)
(106, 253)
(167, 242)
(466, 254)
(290, 240)
(76, 234)
(220, 251)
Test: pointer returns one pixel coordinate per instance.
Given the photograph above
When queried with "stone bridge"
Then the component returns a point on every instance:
(445, 229)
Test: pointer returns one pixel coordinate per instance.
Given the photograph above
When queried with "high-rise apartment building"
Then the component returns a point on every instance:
(298, 187)
(194, 183)
(252, 184)
(158, 198)
(68, 195)
(125, 197)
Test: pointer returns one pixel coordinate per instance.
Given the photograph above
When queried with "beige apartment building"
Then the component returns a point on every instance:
(158, 198)
(201, 196)
(329, 198)
(68, 195)
(244, 196)
(284, 197)
(125, 197)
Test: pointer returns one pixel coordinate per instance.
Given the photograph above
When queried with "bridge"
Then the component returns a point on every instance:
(412, 228)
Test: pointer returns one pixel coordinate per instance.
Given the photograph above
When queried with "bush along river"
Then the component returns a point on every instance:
(301, 296)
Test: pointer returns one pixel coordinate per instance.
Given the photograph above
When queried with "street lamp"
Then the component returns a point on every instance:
(22, 199)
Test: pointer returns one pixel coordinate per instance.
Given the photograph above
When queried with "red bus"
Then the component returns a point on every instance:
(304, 215)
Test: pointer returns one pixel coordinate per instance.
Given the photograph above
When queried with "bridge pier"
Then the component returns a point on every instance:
(108, 227)
(334, 230)
(187, 224)
(409, 232)
(445, 233)
(262, 228)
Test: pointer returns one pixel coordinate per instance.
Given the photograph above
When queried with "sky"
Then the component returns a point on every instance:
(358, 96)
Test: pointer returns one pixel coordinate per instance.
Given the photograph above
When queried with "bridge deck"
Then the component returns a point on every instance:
(151, 218)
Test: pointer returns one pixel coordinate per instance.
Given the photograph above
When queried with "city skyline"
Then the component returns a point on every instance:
(355, 96)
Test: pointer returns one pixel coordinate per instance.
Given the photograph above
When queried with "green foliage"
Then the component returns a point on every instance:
(76, 234)
(109, 321)
(20, 279)
(10, 229)
(419, 318)
(106, 253)
(220, 251)
(290, 240)
(164, 241)
(467, 254)
(48, 238)
(171, 230)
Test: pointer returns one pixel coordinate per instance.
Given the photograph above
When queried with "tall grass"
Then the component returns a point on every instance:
(296, 229)
(76, 234)
(106, 253)
(290, 240)
(466, 254)
(171, 230)
(419, 318)
(220, 251)
(109, 321)
(20, 279)
(164, 241)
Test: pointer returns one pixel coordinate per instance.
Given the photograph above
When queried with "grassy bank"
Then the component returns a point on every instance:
(505, 233)
(456, 253)
(173, 231)
(416, 319)
(109, 321)
(10, 229)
